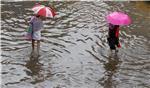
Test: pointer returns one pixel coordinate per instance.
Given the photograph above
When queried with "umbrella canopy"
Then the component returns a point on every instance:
(118, 18)
(37, 6)
(43, 11)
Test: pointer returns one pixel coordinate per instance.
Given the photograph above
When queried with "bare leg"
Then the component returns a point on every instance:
(38, 46)
(33, 41)
(116, 50)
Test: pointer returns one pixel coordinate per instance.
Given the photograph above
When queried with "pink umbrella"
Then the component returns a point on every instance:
(118, 18)
(43, 11)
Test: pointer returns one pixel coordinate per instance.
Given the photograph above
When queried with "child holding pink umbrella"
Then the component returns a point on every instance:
(113, 38)
(116, 19)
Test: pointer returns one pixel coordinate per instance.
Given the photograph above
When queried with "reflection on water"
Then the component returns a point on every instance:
(34, 67)
(111, 68)
(74, 51)
(143, 6)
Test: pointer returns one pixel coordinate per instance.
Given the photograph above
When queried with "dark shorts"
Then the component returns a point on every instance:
(113, 42)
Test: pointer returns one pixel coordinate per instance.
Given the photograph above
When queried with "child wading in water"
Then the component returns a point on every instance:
(36, 25)
(115, 19)
(113, 38)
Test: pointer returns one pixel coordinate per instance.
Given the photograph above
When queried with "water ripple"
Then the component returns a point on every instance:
(74, 50)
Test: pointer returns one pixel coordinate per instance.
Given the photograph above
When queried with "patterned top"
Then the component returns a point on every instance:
(37, 23)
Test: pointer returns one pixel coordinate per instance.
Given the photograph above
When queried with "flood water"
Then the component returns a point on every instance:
(74, 51)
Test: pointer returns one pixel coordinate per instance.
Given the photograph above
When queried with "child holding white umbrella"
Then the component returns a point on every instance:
(36, 24)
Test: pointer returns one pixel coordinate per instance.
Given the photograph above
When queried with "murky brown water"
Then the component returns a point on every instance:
(74, 50)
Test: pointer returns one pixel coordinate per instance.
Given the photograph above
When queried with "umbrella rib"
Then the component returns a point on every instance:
(49, 12)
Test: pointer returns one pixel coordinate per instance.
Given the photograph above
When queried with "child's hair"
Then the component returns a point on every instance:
(116, 26)
(112, 26)
(37, 15)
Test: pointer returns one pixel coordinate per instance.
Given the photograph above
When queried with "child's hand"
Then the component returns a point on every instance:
(119, 46)
(44, 31)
